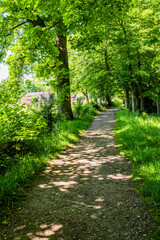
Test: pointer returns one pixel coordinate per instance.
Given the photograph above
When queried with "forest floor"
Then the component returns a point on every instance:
(87, 193)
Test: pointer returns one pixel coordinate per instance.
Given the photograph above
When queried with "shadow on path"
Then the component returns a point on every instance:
(85, 194)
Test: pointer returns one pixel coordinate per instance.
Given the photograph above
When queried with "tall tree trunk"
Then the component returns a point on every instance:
(158, 94)
(141, 103)
(133, 101)
(108, 96)
(62, 78)
(133, 109)
(126, 98)
(158, 103)
(140, 85)
(137, 99)
(109, 101)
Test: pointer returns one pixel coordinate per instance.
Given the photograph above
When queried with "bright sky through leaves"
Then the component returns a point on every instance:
(3, 72)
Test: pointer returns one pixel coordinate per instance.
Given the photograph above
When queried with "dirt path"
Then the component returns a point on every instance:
(86, 194)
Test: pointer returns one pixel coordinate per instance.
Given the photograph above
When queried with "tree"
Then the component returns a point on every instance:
(35, 33)
(91, 73)
(95, 72)
(131, 52)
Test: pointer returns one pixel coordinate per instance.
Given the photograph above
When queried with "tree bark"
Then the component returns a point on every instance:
(108, 96)
(141, 104)
(108, 99)
(137, 99)
(126, 96)
(62, 77)
(158, 103)
(140, 86)
(133, 101)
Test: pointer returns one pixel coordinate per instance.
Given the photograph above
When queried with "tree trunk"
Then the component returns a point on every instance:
(108, 99)
(158, 103)
(109, 85)
(137, 99)
(140, 85)
(141, 104)
(133, 102)
(126, 96)
(62, 77)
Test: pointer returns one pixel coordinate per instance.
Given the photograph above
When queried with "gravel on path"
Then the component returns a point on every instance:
(87, 193)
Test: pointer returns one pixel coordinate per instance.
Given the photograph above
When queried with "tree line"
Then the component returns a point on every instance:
(113, 48)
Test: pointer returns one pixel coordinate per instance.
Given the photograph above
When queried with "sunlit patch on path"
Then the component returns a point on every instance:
(85, 194)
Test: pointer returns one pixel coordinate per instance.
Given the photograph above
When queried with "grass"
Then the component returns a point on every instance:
(19, 176)
(138, 137)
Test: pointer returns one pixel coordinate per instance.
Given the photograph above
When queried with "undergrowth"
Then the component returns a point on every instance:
(14, 181)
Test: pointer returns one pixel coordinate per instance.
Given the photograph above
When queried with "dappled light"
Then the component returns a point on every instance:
(73, 64)
(19, 228)
(118, 176)
(85, 194)
(47, 231)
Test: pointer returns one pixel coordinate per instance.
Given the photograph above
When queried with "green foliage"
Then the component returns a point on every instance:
(80, 109)
(119, 52)
(31, 87)
(13, 182)
(47, 110)
(89, 73)
(19, 126)
(117, 102)
(98, 106)
(114, 46)
(138, 138)
(18, 173)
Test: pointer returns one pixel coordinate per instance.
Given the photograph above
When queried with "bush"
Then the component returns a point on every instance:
(13, 181)
(48, 110)
(117, 102)
(97, 106)
(20, 127)
(27, 139)
(80, 109)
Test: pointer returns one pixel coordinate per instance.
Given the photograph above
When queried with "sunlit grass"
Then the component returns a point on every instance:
(138, 137)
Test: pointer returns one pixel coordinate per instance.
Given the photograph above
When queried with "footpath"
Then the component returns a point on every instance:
(87, 193)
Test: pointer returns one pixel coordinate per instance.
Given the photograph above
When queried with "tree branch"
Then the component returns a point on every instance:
(52, 25)
(15, 28)
(38, 22)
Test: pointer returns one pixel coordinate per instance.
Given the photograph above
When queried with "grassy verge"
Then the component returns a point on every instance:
(14, 181)
(138, 137)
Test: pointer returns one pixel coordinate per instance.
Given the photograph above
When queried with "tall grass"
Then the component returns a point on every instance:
(138, 137)
(15, 179)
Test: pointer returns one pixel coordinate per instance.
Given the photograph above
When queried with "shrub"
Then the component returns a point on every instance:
(19, 127)
(116, 102)
(97, 106)
(48, 110)
(80, 109)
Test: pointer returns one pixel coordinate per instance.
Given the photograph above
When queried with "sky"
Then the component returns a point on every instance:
(3, 72)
